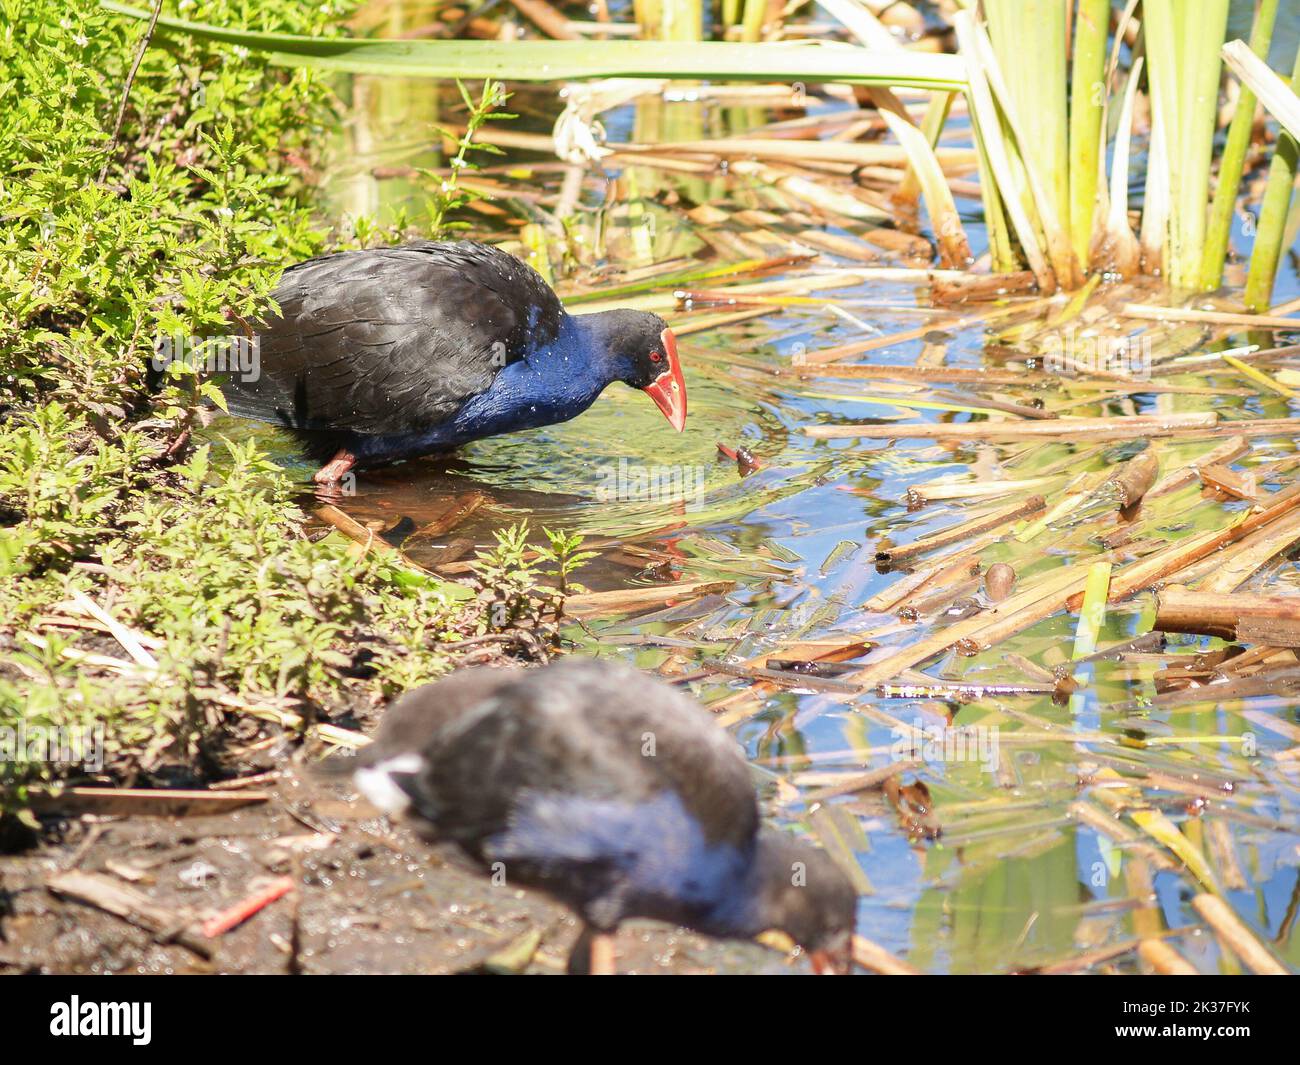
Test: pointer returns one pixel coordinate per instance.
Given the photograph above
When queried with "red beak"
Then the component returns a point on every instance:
(832, 961)
(668, 390)
(835, 958)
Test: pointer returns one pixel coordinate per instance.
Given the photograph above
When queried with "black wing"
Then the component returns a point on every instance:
(393, 340)
(583, 730)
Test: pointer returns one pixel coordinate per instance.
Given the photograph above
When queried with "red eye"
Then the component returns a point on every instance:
(656, 357)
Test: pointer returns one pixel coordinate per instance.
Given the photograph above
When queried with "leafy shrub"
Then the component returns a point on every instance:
(178, 223)
(196, 211)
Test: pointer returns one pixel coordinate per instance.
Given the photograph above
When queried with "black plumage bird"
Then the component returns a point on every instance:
(398, 352)
(612, 791)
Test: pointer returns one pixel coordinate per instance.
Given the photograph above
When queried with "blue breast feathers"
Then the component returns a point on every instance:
(656, 846)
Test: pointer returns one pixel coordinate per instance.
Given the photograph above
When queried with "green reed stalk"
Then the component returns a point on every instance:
(752, 28)
(1002, 253)
(1028, 38)
(650, 17)
(1115, 249)
(730, 14)
(1092, 614)
(936, 113)
(551, 61)
(1183, 42)
(1273, 214)
(1233, 160)
(683, 20)
(1087, 110)
(999, 158)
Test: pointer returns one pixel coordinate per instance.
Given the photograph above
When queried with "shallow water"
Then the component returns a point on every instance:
(1011, 883)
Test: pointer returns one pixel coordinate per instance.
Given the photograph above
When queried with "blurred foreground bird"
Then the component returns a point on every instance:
(613, 792)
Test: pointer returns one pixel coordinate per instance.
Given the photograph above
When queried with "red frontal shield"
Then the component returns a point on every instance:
(668, 390)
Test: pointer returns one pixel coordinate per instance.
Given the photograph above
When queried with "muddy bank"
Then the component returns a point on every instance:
(371, 898)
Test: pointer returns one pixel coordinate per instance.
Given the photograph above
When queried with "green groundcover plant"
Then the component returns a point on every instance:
(176, 222)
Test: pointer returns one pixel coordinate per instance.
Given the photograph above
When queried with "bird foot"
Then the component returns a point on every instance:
(333, 471)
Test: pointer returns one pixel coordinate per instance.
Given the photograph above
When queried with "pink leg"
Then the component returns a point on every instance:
(602, 954)
(333, 471)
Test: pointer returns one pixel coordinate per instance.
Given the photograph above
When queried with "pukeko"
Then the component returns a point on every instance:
(612, 791)
(398, 352)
